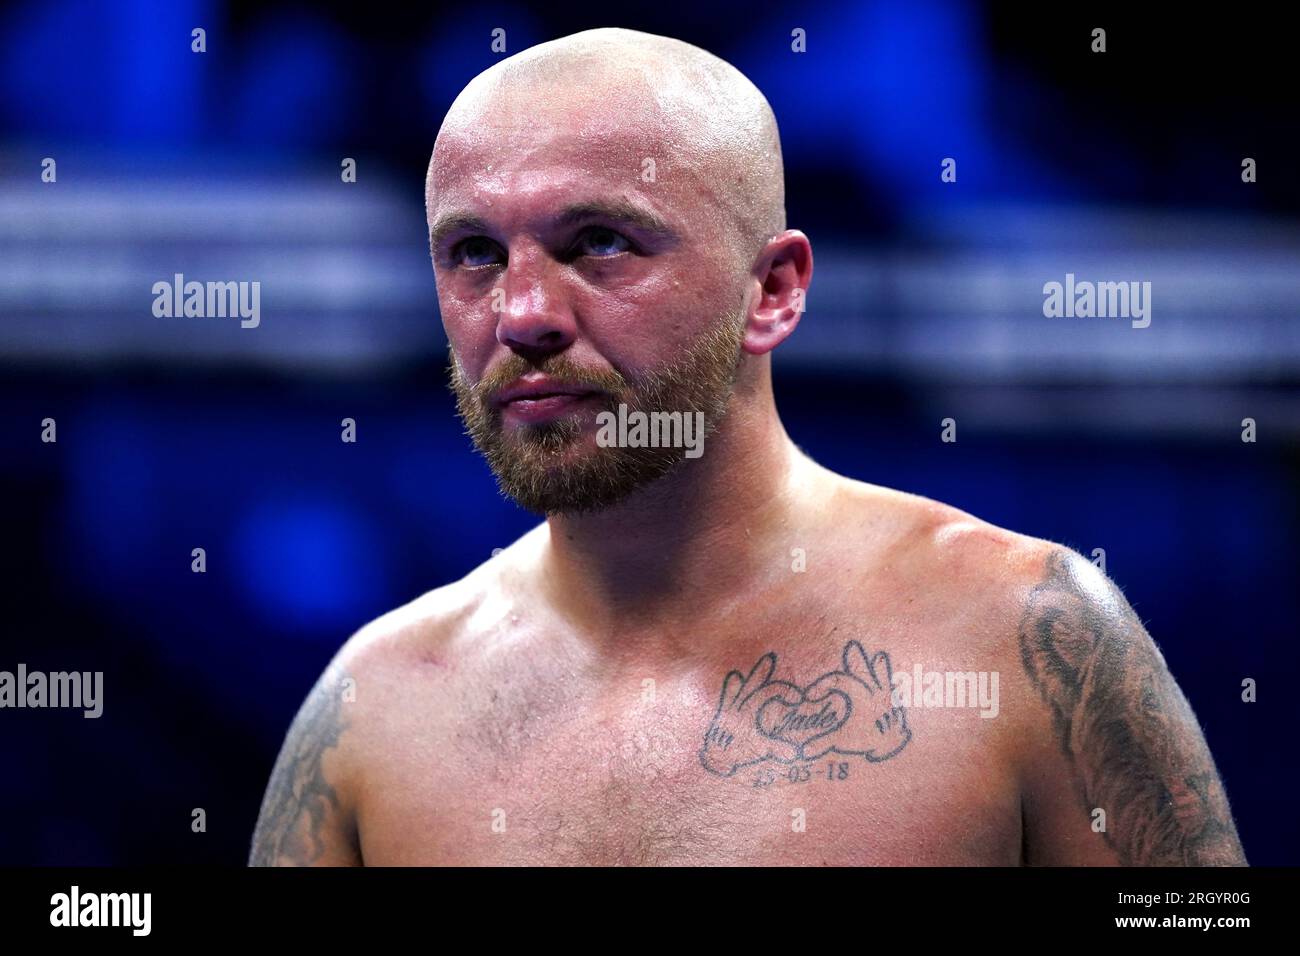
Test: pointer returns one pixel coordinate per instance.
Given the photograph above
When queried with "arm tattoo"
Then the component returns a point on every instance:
(299, 799)
(1124, 725)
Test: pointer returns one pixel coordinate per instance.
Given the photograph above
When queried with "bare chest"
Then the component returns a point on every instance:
(812, 757)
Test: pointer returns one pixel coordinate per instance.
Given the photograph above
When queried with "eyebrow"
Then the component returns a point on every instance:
(619, 212)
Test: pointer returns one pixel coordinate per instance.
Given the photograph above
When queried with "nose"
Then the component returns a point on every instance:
(535, 318)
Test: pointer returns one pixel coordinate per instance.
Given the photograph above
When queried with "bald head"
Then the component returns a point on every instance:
(687, 111)
(607, 226)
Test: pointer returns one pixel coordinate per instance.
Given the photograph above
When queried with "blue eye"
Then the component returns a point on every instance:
(601, 242)
(476, 251)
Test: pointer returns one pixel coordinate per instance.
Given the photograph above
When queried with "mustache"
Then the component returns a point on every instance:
(559, 367)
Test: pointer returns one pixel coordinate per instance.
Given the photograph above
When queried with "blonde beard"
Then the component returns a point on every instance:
(537, 465)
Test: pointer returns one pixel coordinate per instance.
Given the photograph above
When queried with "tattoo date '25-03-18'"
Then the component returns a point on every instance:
(794, 734)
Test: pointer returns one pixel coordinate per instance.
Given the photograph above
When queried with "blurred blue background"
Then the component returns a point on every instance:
(926, 303)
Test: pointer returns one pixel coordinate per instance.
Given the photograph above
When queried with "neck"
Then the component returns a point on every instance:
(700, 536)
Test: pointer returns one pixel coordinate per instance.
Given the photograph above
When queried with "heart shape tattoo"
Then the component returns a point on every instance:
(848, 711)
(805, 720)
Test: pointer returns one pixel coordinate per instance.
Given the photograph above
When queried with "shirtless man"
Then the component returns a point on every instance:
(700, 659)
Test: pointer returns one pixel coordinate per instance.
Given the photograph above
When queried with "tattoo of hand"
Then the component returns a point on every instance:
(848, 711)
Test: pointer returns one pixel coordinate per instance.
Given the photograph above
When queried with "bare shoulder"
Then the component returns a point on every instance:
(420, 631)
(308, 815)
(1114, 764)
(439, 628)
(990, 567)
(309, 811)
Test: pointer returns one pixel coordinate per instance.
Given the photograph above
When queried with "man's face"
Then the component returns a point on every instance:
(582, 261)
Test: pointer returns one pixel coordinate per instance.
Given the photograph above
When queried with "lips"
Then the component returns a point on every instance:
(539, 390)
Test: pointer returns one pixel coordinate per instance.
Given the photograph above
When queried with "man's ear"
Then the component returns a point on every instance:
(783, 271)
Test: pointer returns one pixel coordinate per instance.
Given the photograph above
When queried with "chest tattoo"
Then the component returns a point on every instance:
(793, 734)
